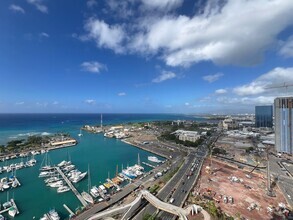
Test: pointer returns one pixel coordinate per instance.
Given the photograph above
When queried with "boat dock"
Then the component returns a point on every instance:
(74, 190)
(13, 205)
(71, 213)
(152, 166)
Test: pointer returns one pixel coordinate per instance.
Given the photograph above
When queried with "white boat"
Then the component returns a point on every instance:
(63, 189)
(129, 173)
(77, 178)
(94, 192)
(2, 217)
(12, 211)
(154, 159)
(68, 168)
(53, 215)
(7, 204)
(46, 173)
(52, 179)
(56, 184)
(64, 163)
(87, 197)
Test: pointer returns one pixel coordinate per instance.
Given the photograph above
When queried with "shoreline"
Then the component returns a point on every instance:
(145, 149)
(2, 158)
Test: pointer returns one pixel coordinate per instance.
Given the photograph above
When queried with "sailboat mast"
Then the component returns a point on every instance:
(102, 121)
(138, 159)
(89, 183)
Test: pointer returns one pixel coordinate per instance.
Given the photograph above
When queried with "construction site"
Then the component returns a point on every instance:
(239, 193)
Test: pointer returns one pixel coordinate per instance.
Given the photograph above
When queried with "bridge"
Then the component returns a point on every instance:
(128, 209)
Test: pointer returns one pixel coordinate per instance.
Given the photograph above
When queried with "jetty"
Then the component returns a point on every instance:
(71, 213)
(74, 190)
(150, 165)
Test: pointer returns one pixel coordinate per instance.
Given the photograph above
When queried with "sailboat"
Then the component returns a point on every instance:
(85, 195)
(45, 166)
(80, 133)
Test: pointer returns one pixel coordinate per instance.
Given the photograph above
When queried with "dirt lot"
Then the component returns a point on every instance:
(227, 180)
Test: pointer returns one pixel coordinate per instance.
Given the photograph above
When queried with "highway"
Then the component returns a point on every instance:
(175, 188)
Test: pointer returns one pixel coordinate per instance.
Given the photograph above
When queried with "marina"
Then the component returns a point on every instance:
(102, 154)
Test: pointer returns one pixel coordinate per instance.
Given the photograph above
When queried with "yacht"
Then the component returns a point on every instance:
(87, 197)
(129, 173)
(52, 179)
(77, 178)
(12, 211)
(7, 204)
(154, 159)
(2, 217)
(94, 192)
(47, 173)
(63, 189)
(56, 184)
(53, 215)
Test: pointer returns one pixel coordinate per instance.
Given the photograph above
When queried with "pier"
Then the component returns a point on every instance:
(152, 166)
(74, 190)
(71, 213)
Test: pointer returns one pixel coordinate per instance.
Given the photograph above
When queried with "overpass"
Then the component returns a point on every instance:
(128, 209)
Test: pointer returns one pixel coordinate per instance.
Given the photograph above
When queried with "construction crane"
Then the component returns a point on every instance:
(280, 86)
(249, 174)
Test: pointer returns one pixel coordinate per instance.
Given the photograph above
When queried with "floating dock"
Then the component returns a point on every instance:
(152, 166)
(74, 190)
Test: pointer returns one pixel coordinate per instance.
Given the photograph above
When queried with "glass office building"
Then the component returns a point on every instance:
(264, 116)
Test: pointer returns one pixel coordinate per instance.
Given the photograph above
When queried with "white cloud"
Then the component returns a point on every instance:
(55, 103)
(91, 3)
(264, 82)
(187, 104)
(42, 104)
(105, 35)
(39, 5)
(120, 9)
(121, 94)
(238, 32)
(16, 8)
(43, 34)
(93, 66)
(251, 101)
(221, 91)
(165, 75)
(19, 103)
(287, 49)
(90, 101)
(165, 5)
(213, 78)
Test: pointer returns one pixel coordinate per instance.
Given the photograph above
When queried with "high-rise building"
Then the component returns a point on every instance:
(284, 124)
(264, 116)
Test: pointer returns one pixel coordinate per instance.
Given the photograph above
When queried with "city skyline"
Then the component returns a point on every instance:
(168, 56)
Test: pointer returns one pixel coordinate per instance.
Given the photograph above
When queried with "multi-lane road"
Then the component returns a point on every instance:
(181, 183)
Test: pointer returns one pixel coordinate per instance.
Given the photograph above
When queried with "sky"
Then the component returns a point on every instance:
(144, 56)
